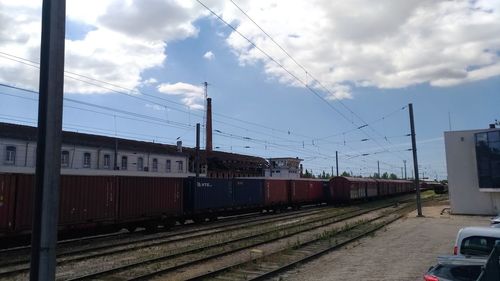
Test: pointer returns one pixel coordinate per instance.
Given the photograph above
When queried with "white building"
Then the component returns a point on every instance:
(92, 154)
(473, 163)
(284, 168)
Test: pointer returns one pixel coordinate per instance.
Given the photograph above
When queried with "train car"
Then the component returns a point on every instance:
(276, 193)
(7, 202)
(148, 201)
(207, 197)
(84, 202)
(248, 193)
(347, 189)
(438, 187)
(306, 191)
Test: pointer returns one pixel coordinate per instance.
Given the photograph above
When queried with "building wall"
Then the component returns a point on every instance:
(25, 160)
(463, 183)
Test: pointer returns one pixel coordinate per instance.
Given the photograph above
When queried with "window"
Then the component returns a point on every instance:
(10, 155)
(64, 158)
(478, 245)
(124, 163)
(155, 165)
(488, 159)
(180, 166)
(168, 166)
(107, 161)
(140, 164)
(86, 160)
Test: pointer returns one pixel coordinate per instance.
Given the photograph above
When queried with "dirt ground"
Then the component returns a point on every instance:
(402, 251)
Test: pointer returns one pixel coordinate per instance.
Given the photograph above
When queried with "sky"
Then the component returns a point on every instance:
(287, 78)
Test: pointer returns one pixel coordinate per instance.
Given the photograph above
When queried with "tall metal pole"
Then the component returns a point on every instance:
(404, 162)
(48, 154)
(197, 156)
(337, 161)
(415, 161)
(401, 172)
(378, 169)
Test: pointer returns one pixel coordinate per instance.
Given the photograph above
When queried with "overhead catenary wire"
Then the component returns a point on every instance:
(308, 73)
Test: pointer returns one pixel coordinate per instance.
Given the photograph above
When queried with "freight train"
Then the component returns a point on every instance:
(116, 202)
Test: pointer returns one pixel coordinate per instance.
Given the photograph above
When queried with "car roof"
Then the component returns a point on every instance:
(461, 260)
(480, 230)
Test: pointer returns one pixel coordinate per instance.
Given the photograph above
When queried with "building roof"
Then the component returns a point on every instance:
(28, 133)
(220, 159)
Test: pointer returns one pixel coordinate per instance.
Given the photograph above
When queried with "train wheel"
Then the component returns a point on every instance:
(181, 221)
(131, 228)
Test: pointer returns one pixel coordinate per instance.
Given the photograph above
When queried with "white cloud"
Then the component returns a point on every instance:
(192, 95)
(385, 44)
(209, 55)
(127, 37)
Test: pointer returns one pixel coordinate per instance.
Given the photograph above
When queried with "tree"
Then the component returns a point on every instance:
(345, 174)
(307, 174)
(393, 176)
(376, 176)
(385, 175)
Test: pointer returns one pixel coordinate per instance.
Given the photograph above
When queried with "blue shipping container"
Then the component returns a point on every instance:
(248, 192)
(208, 194)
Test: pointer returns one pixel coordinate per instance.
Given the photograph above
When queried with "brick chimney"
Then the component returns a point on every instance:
(208, 146)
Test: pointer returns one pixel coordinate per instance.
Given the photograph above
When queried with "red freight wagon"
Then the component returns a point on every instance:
(345, 189)
(275, 192)
(149, 199)
(7, 202)
(25, 185)
(298, 191)
(306, 191)
(87, 200)
(316, 191)
(84, 201)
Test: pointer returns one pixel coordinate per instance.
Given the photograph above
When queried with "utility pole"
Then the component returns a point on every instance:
(332, 171)
(404, 162)
(337, 161)
(401, 172)
(197, 156)
(378, 169)
(48, 151)
(415, 161)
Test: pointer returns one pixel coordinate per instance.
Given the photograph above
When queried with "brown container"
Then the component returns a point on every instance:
(299, 191)
(87, 200)
(7, 202)
(142, 198)
(345, 189)
(24, 202)
(275, 192)
(316, 191)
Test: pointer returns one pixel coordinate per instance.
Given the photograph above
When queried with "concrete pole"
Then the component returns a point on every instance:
(197, 156)
(337, 161)
(48, 163)
(415, 161)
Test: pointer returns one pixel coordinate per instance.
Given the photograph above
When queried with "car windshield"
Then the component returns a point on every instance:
(478, 245)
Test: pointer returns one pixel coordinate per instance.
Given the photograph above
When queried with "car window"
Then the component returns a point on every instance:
(458, 272)
(478, 245)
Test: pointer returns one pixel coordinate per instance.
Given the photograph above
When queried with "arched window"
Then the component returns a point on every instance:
(124, 163)
(168, 166)
(140, 164)
(64, 158)
(86, 160)
(155, 165)
(10, 155)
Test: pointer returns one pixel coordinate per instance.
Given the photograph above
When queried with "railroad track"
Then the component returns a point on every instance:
(267, 266)
(75, 254)
(173, 262)
(303, 221)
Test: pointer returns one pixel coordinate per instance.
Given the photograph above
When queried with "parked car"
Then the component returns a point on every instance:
(495, 222)
(476, 241)
(455, 268)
